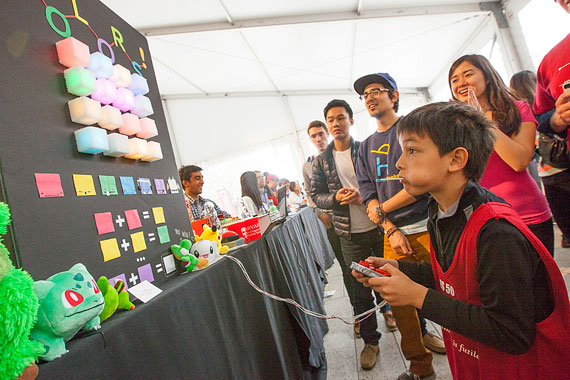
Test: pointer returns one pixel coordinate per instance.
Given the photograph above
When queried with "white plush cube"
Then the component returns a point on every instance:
(112, 118)
(84, 110)
(138, 148)
(131, 124)
(154, 152)
(118, 145)
(121, 76)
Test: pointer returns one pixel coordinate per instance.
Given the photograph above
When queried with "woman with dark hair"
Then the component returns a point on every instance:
(250, 194)
(523, 87)
(474, 81)
(295, 196)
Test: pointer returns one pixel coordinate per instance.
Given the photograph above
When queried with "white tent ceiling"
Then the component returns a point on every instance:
(245, 72)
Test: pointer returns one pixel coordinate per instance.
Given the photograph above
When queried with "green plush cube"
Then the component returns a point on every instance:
(79, 81)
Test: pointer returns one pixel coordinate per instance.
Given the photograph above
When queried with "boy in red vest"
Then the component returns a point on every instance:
(491, 284)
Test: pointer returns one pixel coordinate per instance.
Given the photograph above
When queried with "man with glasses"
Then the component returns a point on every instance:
(334, 187)
(402, 217)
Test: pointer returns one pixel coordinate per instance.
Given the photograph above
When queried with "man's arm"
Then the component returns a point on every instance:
(366, 185)
(220, 211)
(322, 196)
(307, 168)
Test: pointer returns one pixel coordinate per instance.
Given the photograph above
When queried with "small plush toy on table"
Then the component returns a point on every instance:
(115, 297)
(182, 252)
(69, 301)
(213, 234)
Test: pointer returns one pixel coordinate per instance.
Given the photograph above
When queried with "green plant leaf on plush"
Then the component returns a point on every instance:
(115, 297)
(69, 301)
(18, 311)
(182, 252)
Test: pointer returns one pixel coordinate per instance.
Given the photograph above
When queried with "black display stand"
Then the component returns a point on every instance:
(213, 325)
(49, 235)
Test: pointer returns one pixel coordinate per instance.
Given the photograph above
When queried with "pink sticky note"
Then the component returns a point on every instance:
(133, 219)
(104, 222)
(49, 185)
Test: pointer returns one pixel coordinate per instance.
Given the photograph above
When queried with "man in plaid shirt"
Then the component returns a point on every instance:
(193, 181)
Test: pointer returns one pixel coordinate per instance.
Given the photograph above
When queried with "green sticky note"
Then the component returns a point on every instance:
(163, 235)
(108, 185)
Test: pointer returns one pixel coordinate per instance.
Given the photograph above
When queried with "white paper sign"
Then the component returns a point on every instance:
(145, 291)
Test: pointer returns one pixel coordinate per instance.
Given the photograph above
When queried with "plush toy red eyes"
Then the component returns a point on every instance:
(71, 298)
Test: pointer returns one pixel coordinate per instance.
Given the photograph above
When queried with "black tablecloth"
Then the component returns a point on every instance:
(213, 325)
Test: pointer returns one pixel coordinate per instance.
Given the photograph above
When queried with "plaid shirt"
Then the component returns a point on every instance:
(196, 207)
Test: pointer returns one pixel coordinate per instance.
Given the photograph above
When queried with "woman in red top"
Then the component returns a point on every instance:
(474, 81)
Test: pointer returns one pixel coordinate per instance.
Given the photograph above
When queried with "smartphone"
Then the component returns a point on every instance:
(369, 272)
(566, 85)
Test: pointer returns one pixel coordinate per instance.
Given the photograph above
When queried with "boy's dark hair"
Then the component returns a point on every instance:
(185, 172)
(338, 103)
(451, 125)
(317, 124)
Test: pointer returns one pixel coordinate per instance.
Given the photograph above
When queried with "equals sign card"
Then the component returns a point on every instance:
(158, 268)
(145, 214)
(151, 237)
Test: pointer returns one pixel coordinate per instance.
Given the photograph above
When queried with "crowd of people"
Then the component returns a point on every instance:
(454, 203)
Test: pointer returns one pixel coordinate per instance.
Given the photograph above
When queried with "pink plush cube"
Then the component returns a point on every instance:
(112, 118)
(131, 124)
(124, 99)
(72, 52)
(121, 76)
(105, 91)
(148, 128)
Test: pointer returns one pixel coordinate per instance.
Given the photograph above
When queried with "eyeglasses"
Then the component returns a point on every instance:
(374, 93)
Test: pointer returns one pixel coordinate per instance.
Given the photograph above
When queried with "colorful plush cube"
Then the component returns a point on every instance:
(118, 145)
(131, 124)
(138, 148)
(84, 110)
(148, 128)
(91, 140)
(154, 152)
(142, 107)
(139, 85)
(72, 52)
(100, 65)
(121, 76)
(112, 118)
(124, 99)
(105, 91)
(79, 81)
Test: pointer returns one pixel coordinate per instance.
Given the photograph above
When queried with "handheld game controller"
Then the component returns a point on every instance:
(364, 268)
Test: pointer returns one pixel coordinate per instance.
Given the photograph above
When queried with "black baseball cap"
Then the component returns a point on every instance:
(383, 78)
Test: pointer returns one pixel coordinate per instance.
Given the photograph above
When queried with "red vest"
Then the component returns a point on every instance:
(549, 355)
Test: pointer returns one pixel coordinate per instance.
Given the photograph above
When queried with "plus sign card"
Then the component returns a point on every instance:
(86, 161)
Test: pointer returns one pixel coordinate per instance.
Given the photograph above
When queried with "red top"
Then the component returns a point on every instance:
(517, 188)
(549, 355)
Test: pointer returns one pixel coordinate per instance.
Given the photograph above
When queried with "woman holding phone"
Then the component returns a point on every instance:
(474, 81)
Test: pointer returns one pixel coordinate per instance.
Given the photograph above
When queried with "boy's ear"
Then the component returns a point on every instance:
(458, 159)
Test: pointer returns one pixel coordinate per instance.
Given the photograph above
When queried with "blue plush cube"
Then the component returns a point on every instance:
(139, 85)
(91, 140)
(100, 65)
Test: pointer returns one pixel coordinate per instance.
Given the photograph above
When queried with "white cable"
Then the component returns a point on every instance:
(348, 320)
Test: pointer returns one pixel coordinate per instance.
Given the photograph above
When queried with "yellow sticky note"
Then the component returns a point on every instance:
(158, 215)
(84, 185)
(110, 249)
(138, 242)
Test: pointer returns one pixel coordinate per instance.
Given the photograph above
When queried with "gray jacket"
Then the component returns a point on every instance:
(325, 183)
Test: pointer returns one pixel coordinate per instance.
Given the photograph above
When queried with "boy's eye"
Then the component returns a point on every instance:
(411, 150)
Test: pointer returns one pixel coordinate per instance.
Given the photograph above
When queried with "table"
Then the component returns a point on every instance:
(213, 325)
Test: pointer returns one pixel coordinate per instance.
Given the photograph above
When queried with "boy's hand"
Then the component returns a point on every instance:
(376, 262)
(400, 244)
(371, 211)
(561, 117)
(341, 194)
(399, 289)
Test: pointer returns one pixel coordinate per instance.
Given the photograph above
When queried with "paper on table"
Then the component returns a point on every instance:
(49, 185)
(145, 291)
(158, 213)
(160, 186)
(133, 219)
(128, 184)
(108, 185)
(104, 222)
(84, 185)
(138, 241)
(163, 235)
(110, 249)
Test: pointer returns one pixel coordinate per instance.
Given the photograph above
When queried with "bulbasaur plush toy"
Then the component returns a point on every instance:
(69, 301)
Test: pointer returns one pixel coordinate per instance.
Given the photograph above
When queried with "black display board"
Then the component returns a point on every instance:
(36, 136)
